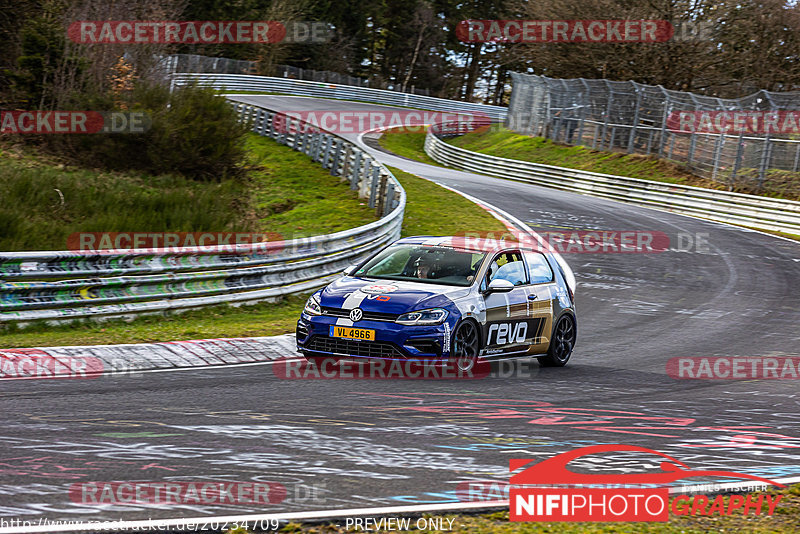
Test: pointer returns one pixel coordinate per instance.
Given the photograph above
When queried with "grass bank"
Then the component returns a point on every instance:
(407, 145)
(431, 210)
(507, 144)
(45, 201)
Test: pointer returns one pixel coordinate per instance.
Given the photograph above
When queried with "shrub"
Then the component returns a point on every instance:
(193, 131)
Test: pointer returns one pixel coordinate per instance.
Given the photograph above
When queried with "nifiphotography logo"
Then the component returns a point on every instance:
(625, 497)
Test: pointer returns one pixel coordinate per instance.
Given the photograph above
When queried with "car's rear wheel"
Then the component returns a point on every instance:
(561, 344)
(466, 346)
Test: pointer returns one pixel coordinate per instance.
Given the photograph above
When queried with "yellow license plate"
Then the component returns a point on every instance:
(353, 333)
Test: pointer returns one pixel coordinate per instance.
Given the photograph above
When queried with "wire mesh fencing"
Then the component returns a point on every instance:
(743, 143)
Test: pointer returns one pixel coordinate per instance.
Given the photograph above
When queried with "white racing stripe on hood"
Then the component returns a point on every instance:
(353, 300)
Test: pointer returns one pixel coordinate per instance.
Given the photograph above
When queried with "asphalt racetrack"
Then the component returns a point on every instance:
(338, 444)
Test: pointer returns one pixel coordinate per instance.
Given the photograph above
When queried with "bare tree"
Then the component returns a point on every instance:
(424, 20)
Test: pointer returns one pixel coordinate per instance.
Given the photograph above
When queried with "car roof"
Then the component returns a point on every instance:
(466, 243)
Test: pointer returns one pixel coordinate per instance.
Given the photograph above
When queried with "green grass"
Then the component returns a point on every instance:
(785, 519)
(431, 210)
(284, 192)
(407, 145)
(295, 196)
(505, 143)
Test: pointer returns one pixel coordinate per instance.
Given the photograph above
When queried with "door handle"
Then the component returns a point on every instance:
(531, 297)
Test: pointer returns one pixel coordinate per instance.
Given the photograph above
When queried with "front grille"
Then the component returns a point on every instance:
(367, 349)
(368, 315)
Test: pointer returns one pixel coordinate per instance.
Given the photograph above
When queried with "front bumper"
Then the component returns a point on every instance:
(392, 340)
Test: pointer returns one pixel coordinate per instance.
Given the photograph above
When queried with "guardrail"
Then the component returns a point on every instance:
(735, 208)
(267, 84)
(65, 285)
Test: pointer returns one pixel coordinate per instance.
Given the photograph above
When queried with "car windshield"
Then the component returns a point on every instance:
(435, 265)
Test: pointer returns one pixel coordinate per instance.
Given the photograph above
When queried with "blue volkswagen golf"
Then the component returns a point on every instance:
(440, 298)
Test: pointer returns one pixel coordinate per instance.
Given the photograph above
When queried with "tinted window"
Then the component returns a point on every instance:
(538, 268)
(507, 266)
(437, 265)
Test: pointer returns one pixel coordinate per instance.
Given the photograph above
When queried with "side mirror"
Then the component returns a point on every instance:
(350, 270)
(499, 286)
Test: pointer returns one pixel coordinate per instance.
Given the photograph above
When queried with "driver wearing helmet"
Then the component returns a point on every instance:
(423, 267)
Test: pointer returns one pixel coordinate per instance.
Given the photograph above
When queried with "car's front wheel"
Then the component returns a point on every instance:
(466, 346)
(561, 344)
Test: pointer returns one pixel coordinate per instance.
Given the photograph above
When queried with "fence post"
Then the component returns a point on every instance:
(717, 153)
(796, 157)
(285, 131)
(364, 181)
(356, 171)
(376, 177)
(380, 198)
(671, 144)
(297, 137)
(316, 141)
(327, 151)
(348, 153)
(263, 120)
(692, 146)
(608, 116)
(664, 117)
(584, 105)
(766, 155)
(389, 202)
(335, 163)
(739, 154)
(632, 135)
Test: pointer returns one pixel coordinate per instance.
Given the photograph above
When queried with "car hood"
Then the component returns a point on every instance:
(388, 296)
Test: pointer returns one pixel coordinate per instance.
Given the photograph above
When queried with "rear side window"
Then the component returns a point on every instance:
(538, 269)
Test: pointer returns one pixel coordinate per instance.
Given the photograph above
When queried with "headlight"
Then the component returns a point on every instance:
(312, 305)
(423, 317)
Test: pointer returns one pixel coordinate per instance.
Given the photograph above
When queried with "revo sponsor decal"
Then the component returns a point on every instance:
(506, 332)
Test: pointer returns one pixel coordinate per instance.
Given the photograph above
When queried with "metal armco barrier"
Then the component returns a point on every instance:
(246, 82)
(69, 284)
(735, 208)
